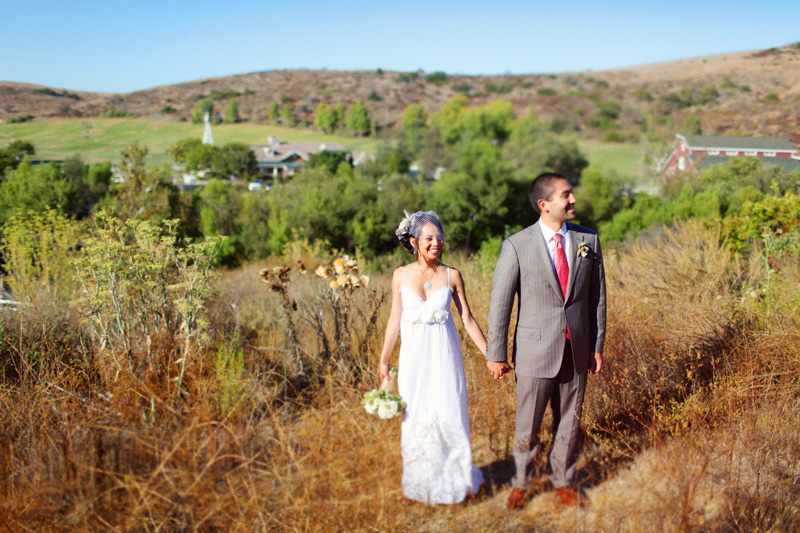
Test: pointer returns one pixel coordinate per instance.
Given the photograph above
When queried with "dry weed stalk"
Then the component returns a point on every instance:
(340, 296)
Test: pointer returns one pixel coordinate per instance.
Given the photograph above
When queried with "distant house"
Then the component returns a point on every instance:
(359, 158)
(694, 153)
(281, 160)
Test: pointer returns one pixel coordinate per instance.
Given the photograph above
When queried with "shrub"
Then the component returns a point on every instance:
(131, 292)
(224, 95)
(116, 113)
(546, 91)
(36, 249)
(406, 77)
(437, 78)
(613, 136)
(19, 119)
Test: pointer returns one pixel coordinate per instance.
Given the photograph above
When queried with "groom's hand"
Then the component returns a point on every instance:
(498, 368)
(596, 363)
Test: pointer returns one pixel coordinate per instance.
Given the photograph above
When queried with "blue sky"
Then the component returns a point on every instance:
(124, 46)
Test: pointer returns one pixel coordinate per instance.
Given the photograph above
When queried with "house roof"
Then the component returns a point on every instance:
(360, 157)
(788, 163)
(283, 151)
(728, 142)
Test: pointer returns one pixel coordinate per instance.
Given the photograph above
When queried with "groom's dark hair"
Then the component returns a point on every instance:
(542, 188)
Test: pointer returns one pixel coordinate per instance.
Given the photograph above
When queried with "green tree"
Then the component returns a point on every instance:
(201, 157)
(325, 117)
(31, 188)
(199, 111)
(600, 195)
(448, 119)
(235, 160)
(338, 116)
(415, 123)
(693, 125)
(492, 122)
(218, 211)
(144, 192)
(476, 202)
(532, 148)
(274, 111)
(181, 149)
(329, 160)
(357, 120)
(232, 116)
(13, 154)
(287, 114)
(434, 153)
(252, 223)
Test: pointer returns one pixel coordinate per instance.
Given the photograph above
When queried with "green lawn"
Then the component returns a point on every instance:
(60, 139)
(63, 138)
(624, 159)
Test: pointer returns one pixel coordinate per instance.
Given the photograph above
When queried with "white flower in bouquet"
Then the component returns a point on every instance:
(388, 409)
(371, 405)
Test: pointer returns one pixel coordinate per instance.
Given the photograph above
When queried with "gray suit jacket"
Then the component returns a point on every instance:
(524, 270)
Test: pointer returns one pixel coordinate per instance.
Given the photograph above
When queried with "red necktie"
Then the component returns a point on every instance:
(562, 266)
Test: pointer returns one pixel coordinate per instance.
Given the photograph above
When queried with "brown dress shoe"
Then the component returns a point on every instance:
(515, 498)
(569, 496)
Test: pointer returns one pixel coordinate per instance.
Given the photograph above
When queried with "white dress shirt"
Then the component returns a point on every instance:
(551, 244)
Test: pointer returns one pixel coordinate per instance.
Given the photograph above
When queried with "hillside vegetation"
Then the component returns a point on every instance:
(753, 93)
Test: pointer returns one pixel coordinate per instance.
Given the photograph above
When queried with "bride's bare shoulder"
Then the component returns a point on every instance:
(400, 271)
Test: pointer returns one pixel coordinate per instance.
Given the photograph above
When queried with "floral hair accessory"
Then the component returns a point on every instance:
(583, 249)
(402, 229)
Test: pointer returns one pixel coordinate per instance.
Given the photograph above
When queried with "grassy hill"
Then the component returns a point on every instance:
(752, 93)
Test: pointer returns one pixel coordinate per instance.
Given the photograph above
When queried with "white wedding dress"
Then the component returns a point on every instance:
(437, 458)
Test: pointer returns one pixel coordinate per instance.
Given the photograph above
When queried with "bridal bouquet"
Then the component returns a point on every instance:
(384, 402)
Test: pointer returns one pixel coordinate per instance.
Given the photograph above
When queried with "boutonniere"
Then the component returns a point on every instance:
(583, 249)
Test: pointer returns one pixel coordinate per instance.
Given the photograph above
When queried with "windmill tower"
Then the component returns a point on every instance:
(208, 138)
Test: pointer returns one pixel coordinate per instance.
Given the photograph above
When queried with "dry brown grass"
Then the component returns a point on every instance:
(694, 423)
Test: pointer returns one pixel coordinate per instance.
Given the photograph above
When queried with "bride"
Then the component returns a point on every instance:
(435, 442)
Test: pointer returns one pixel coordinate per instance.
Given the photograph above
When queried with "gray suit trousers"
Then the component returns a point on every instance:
(565, 394)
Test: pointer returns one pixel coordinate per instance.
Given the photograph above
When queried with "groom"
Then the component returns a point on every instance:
(555, 269)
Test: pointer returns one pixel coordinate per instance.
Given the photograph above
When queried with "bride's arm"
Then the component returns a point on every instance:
(393, 325)
(470, 324)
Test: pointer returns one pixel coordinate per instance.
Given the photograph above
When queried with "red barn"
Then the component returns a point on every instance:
(693, 153)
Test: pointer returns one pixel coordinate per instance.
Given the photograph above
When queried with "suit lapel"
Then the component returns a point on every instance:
(574, 239)
(543, 255)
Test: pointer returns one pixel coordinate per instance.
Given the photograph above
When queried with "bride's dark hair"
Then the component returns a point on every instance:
(411, 226)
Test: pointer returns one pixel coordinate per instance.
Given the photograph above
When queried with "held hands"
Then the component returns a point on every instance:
(497, 369)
